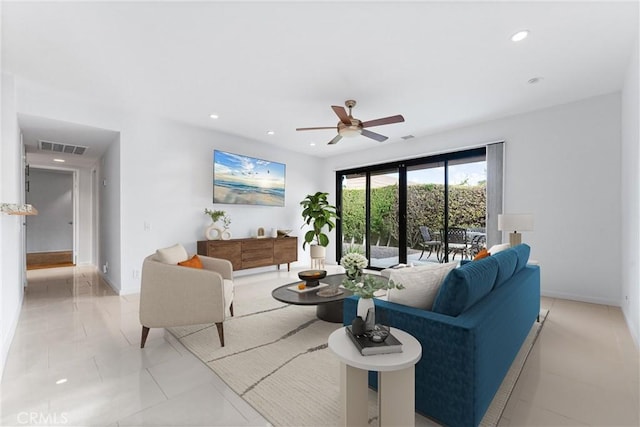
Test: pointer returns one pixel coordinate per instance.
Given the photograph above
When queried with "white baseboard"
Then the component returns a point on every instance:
(581, 298)
(108, 282)
(632, 329)
(8, 338)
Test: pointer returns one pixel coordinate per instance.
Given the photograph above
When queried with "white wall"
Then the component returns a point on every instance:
(167, 183)
(84, 217)
(562, 165)
(51, 192)
(160, 174)
(630, 186)
(110, 188)
(11, 244)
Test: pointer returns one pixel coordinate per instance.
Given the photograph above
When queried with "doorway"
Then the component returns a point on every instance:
(50, 235)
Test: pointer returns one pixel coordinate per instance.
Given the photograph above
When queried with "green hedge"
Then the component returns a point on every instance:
(425, 206)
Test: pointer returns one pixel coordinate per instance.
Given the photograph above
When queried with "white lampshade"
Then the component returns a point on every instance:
(515, 222)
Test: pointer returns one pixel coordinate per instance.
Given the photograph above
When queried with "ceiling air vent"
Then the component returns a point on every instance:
(57, 147)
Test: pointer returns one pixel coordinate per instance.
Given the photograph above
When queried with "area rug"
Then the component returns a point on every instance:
(276, 358)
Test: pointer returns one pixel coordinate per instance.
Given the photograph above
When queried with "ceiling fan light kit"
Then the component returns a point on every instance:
(349, 127)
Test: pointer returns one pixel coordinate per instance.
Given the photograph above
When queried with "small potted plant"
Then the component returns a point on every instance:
(365, 286)
(214, 233)
(320, 215)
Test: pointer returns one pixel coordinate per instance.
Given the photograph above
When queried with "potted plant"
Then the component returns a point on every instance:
(319, 214)
(214, 233)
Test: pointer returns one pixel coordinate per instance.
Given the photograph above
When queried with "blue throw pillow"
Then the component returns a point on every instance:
(465, 286)
(507, 261)
(523, 250)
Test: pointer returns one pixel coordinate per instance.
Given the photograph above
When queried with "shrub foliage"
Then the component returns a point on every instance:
(425, 206)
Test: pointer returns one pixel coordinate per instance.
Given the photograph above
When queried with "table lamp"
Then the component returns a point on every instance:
(515, 223)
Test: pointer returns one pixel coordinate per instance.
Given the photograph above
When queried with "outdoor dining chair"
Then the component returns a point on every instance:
(429, 242)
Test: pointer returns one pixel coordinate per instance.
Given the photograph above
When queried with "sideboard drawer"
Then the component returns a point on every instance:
(252, 252)
(285, 250)
(225, 249)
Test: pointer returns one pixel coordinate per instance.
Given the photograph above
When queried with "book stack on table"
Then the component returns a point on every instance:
(367, 347)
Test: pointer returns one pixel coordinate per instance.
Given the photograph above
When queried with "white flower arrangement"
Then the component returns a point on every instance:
(367, 285)
(353, 263)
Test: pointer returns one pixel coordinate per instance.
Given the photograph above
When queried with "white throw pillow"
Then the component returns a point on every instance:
(499, 248)
(421, 284)
(173, 254)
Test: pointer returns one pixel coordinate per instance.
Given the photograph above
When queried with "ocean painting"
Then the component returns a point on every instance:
(246, 180)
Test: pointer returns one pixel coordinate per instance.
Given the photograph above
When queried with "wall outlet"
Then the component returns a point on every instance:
(136, 273)
(147, 226)
(105, 268)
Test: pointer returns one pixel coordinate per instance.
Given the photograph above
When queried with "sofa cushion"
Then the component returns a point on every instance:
(465, 286)
(507, 261)
(482, 254)
(173, 254)
(523, 250)
(421, 284)
(499, 248)
(193, 262)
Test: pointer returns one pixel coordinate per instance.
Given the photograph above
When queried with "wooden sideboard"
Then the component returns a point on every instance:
(252, 252)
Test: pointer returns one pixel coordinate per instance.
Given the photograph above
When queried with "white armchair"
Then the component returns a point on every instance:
(173, 295)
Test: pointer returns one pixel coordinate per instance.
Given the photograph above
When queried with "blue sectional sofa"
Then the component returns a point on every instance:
(482, 314)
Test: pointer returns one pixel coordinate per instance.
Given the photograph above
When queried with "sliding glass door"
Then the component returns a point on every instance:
(425, 212)
(384, 222)
(406, 212)
(466, 207)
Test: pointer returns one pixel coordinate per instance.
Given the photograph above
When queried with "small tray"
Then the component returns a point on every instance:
(294, 288)
(328, 293)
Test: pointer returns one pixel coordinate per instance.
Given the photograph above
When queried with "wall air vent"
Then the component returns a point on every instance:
(57, 147)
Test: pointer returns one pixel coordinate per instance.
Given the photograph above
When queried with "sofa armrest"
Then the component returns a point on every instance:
(172, 295)
(222, 266)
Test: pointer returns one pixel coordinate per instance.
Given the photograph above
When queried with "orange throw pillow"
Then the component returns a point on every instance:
(482, 254)
(194, 262)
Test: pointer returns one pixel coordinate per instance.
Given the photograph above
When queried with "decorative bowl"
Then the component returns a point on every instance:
(284, 233)
(312, 277)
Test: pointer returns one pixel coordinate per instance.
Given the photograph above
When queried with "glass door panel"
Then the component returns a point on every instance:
(384, 221)
(425, 212)
(353, 213)
(467, 207)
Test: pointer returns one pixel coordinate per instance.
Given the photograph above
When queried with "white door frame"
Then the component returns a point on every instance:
(74, 202)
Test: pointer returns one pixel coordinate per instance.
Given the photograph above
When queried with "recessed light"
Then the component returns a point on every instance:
(213, 116)
(59, 160)
(61, 381)
(313, 144)
(534, 80)
(270, 132)
(520, 35)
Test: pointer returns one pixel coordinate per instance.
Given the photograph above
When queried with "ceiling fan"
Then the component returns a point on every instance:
(348, 126)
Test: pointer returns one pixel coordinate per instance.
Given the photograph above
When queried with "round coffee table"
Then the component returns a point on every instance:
(328, 309)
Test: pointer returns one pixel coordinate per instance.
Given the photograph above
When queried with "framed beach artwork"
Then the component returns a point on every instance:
(245, 180)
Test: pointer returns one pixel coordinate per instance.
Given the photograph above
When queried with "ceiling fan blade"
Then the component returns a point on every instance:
(342, 114)
(383, 121)
(335, 140)
(374, 135)
(325, 127)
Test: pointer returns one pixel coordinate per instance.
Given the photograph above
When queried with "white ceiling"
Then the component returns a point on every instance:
(280, 65)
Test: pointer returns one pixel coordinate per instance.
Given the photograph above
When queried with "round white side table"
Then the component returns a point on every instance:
(396, 380)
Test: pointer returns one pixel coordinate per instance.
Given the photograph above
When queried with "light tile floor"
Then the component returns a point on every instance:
(583, 369)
